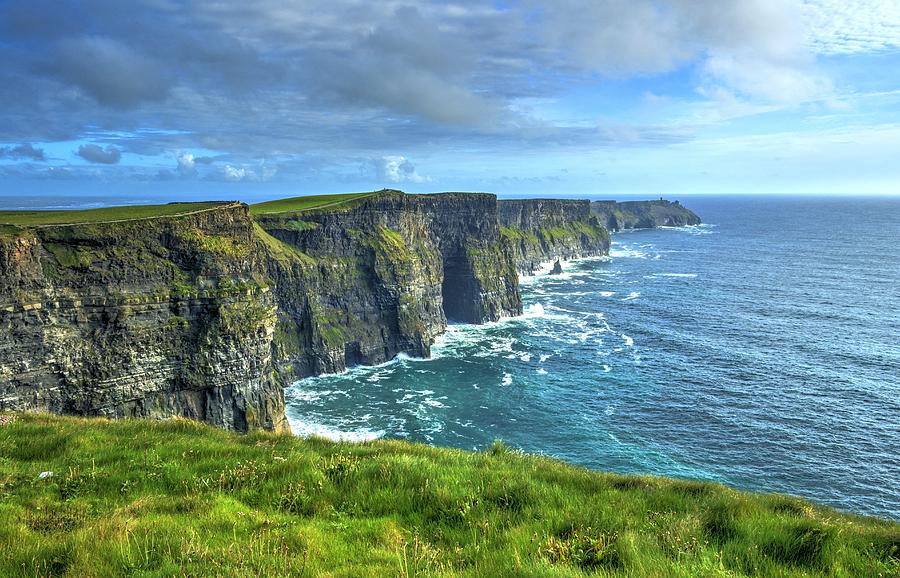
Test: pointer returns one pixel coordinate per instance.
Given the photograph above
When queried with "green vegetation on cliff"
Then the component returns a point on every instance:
(305, 203)
(181, 498)
(104, 215)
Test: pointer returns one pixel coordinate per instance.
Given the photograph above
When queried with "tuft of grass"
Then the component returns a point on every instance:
(806, 544)
(177, 497)
(583, 547)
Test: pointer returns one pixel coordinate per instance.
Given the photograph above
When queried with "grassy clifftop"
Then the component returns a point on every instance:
(180, 498)
(305, 203)
(103, 215)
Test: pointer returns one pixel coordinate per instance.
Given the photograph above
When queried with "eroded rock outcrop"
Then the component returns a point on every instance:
(617, 216)
(150, 318)
(545, 230)
(383, 275)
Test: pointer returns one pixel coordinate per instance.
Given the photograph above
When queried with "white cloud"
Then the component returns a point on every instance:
(398, 169)
(852, 26)
(263, 172)
(233, 173)
(754, 48)
(764, 79)
(185, 161)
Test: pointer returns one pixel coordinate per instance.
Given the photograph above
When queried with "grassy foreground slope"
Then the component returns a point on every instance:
(181, 498)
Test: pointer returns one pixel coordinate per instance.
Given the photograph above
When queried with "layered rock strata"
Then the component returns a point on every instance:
(144, 318)
(544, 230)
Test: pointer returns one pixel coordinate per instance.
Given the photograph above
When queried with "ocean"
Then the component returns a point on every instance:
(760, 350)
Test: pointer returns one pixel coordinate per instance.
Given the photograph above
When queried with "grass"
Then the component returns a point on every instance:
(38, 218)
(107, 214)
(282, 252)
(298, 204)
(180, 498)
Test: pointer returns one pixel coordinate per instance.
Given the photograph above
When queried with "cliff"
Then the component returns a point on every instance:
(542, 230)
(140, 318)
(208, 313)
(617, 216)
(383, 274)
(207, 310)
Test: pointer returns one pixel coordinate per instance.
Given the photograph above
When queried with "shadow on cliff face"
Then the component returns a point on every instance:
(460, 291)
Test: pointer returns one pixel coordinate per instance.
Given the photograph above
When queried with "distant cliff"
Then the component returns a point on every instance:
(617, 216)
(542, 230)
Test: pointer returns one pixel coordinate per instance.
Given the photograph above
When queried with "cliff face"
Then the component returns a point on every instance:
(149, 318)
(207, 315)
(383, 275)
(643, 214)
(541, 230)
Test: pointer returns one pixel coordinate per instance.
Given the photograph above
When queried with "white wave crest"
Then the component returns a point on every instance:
(534, 310)
(303, 428)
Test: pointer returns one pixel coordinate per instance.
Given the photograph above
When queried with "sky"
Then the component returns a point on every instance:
(250, 100)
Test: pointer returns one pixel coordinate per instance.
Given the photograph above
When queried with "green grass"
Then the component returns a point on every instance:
(179, 498)
(282, 252)
(298, 204)
(38, 218)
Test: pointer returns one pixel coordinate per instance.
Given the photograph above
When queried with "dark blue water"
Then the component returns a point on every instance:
(761, 350)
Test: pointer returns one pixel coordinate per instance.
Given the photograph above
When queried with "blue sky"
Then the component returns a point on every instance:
(571, 97)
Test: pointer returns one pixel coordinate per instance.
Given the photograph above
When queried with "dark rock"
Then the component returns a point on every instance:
(150, 318)
(557, 268)
(208, 315)
(384, 276)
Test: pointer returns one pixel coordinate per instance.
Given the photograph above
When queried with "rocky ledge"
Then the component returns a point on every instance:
(140, 318)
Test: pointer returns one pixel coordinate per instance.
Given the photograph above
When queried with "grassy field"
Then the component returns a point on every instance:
(178, 498)
(296, 204)
(106, 214)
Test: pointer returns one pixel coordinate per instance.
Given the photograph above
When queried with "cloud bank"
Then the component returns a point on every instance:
(25, 151)
(97, 154)
(266, 88)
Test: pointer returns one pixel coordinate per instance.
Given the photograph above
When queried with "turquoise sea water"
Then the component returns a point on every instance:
(761, 350)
